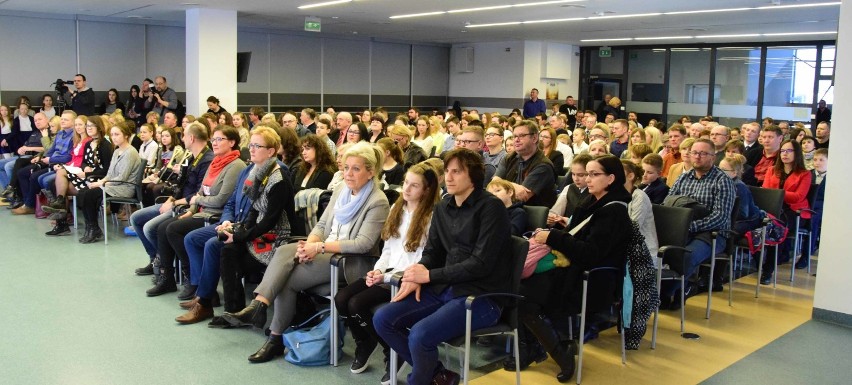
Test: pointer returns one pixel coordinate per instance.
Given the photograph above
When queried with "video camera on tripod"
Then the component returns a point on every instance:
(62, 85)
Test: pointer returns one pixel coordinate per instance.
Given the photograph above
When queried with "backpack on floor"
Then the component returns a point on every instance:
(311, 345)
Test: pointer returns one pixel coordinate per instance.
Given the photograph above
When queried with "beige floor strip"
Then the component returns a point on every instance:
(729, 335)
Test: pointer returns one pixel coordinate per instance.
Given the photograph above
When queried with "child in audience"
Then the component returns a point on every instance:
(598, 148)
(517, 215)
(652, 185)
(564, 139)
(579, 145)
(149, 150)
(808, 147)
(636, 152)
(569, 198)
(818, 186)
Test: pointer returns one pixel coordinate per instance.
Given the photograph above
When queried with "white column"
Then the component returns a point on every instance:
(834, 278)
(211, 58)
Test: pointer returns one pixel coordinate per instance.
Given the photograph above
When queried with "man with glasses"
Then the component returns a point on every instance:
(145, 221)
(528, 169)
(472, 138)
(290, 122)
(719, 136)
(163, 99)
(344, 120)
(708, 185)
(494, 151)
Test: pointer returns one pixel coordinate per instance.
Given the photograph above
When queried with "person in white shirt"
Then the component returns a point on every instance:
(404, 234)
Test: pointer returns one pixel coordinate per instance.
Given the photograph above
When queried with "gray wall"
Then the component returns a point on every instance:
(287, 71)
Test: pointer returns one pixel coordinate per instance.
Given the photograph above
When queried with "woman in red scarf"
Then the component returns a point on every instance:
(205, 207)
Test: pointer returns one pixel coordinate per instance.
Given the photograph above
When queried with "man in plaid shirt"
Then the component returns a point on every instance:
(710, 186)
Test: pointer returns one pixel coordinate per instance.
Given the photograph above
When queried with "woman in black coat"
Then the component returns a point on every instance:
(602, 233)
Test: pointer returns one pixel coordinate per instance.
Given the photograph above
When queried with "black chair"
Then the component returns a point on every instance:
(770, 201)
(672, 224)
(354, 266)
(612, 274)
(814, 191)
(137, 201)
(800, 232)
(507, 325)
(728, 254)
(561, 182)
(536, 217)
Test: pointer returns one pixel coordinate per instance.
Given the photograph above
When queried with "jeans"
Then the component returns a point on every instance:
(203, 250)
(436, 318)
(28, 182)
(145, 222)
(6, 167)
(45, 181)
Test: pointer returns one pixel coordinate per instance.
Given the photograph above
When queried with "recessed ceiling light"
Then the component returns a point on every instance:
(189, 4)
(323, 4)
(664, 38)
(727, 36)
(614, 39)
(485, 8)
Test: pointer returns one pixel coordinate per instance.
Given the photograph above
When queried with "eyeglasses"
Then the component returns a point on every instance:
(491, 134)
(597, 136)
(787, 151)
(353, 132)
(255, 146)
(465, 142)
(595, 174)
(699, 154)
(519, 136)
(217, 140)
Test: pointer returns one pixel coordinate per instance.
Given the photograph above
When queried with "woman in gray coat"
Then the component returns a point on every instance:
(352, 224)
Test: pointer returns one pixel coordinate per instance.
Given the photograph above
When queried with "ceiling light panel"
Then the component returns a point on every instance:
(486, 8)
(323, 4)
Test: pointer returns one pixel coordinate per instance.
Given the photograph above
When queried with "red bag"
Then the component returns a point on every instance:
(41, 200)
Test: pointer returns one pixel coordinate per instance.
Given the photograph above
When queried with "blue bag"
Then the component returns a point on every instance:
(311, 345)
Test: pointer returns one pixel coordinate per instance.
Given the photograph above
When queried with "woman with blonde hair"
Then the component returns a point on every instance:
(439, 135)
(653, 137)
(352, 224)
(241, 123)
(404, 233)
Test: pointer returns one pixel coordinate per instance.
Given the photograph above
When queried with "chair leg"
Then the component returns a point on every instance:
(760, 263)
(106, 242)
(582, 333)
(731, 259)
(795, 251)
(623, 348)
(74, 209)
(712, 271)
(657, 310)
(775, 271)
(467, 324)
(682, 302)
(393, 356)
(517, 358)
(334, 316)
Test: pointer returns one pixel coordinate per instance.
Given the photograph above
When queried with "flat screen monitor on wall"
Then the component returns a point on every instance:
(243, 61)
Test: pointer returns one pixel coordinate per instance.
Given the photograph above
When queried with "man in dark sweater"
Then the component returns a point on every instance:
(467, 253)
(82, 100)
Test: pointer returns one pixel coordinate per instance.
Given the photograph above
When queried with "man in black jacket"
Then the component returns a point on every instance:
(468, 253)
(82, 100)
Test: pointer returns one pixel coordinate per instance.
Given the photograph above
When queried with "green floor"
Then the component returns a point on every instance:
(76, 314)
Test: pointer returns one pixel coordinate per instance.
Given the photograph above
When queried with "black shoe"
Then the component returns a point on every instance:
(253, 315)
(165, 284)
(446, 377)
(219, 323)
(147, 270)
(766, 279)
(666, 302)
(14, 204)
(8, 192)
(802, 264)
(96, 235)
(48, 194)
(187, 293)
(54, 210)
(273, 347)
(60, 229)
(363, 350)
(386, 379)
(529, 352)
(87, 235)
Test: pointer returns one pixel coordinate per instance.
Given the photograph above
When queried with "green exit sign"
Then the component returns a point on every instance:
(313, 24)
(605, 52)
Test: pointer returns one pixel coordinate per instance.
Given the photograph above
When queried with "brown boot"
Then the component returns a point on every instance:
(196, 314)
(23, 210)
(215, 302)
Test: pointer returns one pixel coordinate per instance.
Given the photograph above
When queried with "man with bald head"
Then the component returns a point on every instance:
(163, 99)
(344, 120)
(719, 135)
(32, 146)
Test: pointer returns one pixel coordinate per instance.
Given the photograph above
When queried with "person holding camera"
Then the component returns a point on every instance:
(188, 173)
(162, 99)
(205, 207)
(247, 236)
(82, 99)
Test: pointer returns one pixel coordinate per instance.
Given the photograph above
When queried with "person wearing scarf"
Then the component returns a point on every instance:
(263, 207)
(217, 186)
(352, 226)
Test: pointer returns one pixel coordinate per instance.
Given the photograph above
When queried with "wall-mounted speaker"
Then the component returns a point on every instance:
(463, 59)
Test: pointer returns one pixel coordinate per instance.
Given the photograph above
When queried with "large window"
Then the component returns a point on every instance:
(738, 77)
(789, 84)
(645, 88)
(689, 82)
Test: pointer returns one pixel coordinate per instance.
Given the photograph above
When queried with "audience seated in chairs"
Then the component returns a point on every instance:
(601, 229)
(750, 215)
(504, 191)
(352, 227)
(258, 217)
(789, 174)
(713, 190)
(652, 184)
(392, 170)
(204, 207)
(123, 172)
(189, 172)
(404, 234)
(467, 253)
(412, 153)
(534, 184)
(70, 180)
(171, 154)
(640, 205)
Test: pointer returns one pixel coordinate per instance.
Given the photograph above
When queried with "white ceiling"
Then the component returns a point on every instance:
(371, 18)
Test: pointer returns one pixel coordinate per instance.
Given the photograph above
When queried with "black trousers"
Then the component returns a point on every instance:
(236, 263)
(170, 235)
(356, 302)
(19, 164)
(90, 201)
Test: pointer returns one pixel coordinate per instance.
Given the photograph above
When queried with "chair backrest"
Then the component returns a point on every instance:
(138, 181)
(536, 217)
(769, 200)
(561, 182)
(672, 225)
(520, 249)
(731, 242)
